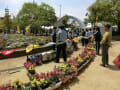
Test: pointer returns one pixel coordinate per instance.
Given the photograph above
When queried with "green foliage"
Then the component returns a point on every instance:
(34, 15)
(64, 21)
(1, 25)
(105, 10)
(7, 22)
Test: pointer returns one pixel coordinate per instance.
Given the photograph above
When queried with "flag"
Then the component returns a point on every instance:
(18, 29)
(27, 29)
(31, 47)
(8, 52)
(96, 20)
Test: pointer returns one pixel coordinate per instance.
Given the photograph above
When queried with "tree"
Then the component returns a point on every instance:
(105, 10)
(116, 12)
(7, 22)
(1, 25)
(27, 15)
(64, 21)
(34, 15)
(47, 14)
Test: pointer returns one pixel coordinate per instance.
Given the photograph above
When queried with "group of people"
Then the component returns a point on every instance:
(103, 41)
(60, 35)
(92, 35)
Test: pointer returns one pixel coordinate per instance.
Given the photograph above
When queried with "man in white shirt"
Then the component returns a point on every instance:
(61, 38)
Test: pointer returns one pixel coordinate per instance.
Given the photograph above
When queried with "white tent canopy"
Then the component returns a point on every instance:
(47, 27)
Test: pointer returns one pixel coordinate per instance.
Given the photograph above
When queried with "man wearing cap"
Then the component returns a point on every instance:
(106, 43)
(61, 40)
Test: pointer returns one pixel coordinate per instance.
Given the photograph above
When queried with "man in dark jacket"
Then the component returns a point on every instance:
(83, 39)
(54, 33)
(98, 38)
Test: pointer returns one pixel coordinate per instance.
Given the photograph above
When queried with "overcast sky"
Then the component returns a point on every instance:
(77, 8)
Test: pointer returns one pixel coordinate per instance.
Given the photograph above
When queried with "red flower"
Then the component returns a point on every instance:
(76, 73)
(71, 77)
(62, 79)
(69, 81)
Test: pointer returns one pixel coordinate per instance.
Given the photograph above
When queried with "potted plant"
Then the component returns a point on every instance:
(16, 85)
(31, 69)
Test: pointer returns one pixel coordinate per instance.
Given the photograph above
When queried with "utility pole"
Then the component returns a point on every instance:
(6, 11)
(33, 1)
(60, 10)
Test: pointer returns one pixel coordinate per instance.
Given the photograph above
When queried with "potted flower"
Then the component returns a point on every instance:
(48, 81)
(31, 69)
(35, 84)
(53, 80)
(17, 84)
(66, 72)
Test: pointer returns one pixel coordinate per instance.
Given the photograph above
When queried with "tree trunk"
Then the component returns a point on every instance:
(118, 26)
(8, 31)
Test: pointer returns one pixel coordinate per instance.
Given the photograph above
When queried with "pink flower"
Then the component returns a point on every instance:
(57, 72)
(52, 74)
(63, 72)
(80, 55)
(47, 74)
(71, 77)
(15, 88)
(76, 73)
(66, 79)
(36, 74)
(70, 60)
(8, 88)
(62, 79)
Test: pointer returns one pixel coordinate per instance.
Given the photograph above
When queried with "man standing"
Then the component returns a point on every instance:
(86, 37)
(61, 39)
(83, 39)
(98, 38)
(105, 43)
(54, 36)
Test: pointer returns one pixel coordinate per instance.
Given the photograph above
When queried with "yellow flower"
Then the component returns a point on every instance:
(12, 84)
(73, 66)
(38, 83)
(80, 59)
(20, 82)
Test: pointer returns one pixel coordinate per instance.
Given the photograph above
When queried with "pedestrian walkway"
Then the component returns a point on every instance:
(96, 77)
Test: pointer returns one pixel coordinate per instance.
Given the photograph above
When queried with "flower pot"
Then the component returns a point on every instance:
(53, 55)
(49, 55)
(83, 65)
(54, 87)
(44, 57)
(30, 76)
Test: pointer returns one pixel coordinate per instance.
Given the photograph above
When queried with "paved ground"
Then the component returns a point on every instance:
(94, 77)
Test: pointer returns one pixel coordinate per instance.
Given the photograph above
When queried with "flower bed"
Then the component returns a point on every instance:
(61, 74)
(21, 41)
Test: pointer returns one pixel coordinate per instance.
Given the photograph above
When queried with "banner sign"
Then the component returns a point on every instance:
(8, 52)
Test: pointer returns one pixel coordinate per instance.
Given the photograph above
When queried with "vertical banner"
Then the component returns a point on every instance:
(27, 29)
(18, 29)
(97, 21)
